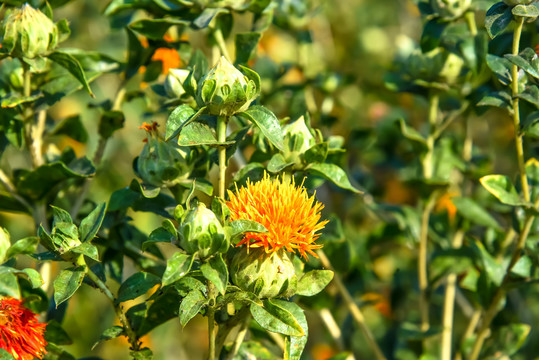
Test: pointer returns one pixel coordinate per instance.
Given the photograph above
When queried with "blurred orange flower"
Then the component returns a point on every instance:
(291, 217)
(20, 333)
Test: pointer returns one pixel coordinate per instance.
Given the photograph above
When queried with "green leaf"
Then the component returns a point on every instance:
(507, 340)
(216, 271)
(501, 99)
(26, 246)
(532, 173)
(246, 44)
(155, 29)
(60, 216)
(71, 64)
(502, 188)
(142, 354)
(55, 334)
(447, 261)
(523, 267)
(33, 276)
(191, 305)
(332, 173)
(205, 18)
(317, 153)
(294, 345)
(523, 63)
(277, 163)
(136, 285)
(179, 118)
(87, 249)
(313, 282)
(273, 317)
(5, 244)
(37, 183)
(268, 124)
(159, 235)
(9, 285)
(494, 270)
(197, 133)
(473, 212)
(498, 18)
(109, 334)
(501, 67)
(137, 54)
(4, 355)
(73, 127)
(410, 133)
(89, 226)
(242, 226)
(525, 11)
(109, 122)
(67, 283)
(177, 267)
(163, 307)
(15, 100)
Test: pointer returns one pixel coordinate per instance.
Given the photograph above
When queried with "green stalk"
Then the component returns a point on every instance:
(211, 320)
(355, 311)
(516, 114)
(129, 332)
(221, 137)
(428, 170)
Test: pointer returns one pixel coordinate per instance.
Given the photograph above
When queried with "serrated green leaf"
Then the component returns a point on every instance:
(25, 246)
(177, 267)
(110, 333)
(473, 212)
(216, 271)
(497, 19)
(313, 282)
(71, 64)
(89, 226)
(67, 283)
(502, 188)
(136, 285)
(278, 163)
(332, 173)
(191, 305)
(273, 317)
(267, 122)
(241, 226)
(294, 345)
(179, 118)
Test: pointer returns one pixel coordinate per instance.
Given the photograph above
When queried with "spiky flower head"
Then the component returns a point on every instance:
(226, 91)
(21, 334)
(28, 33)
(202, 233)
(265, 275)
(290, 215)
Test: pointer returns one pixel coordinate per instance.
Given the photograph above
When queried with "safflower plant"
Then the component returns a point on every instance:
(223, 192)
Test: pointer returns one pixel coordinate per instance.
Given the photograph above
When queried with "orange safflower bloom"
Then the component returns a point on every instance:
(20, 333)
(291, 217)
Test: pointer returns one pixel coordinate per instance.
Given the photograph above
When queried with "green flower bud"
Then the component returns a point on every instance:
(297, 136)
(202, 233)
(266, 275)
(450, 9)
(28, 33)
(174, 82)
(160, 162)
(65, 236)
(225, 90)
(518, 2)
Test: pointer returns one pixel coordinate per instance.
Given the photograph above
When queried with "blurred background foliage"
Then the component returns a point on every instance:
(330, 59)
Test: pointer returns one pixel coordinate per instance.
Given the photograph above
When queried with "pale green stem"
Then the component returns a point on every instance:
(129, 332)
(221, 137)
(218, 36)
(211, 320)
(491, 312)
(356, 313)
(516, 112)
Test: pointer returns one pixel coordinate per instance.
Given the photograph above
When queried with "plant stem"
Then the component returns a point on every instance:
(352, 307)
(428, 170)
(449, 304)
(492, 310)
(333, 327)
(218, 36)
(221, 137)
(516, 113)
(130, 333)
(211, 320)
